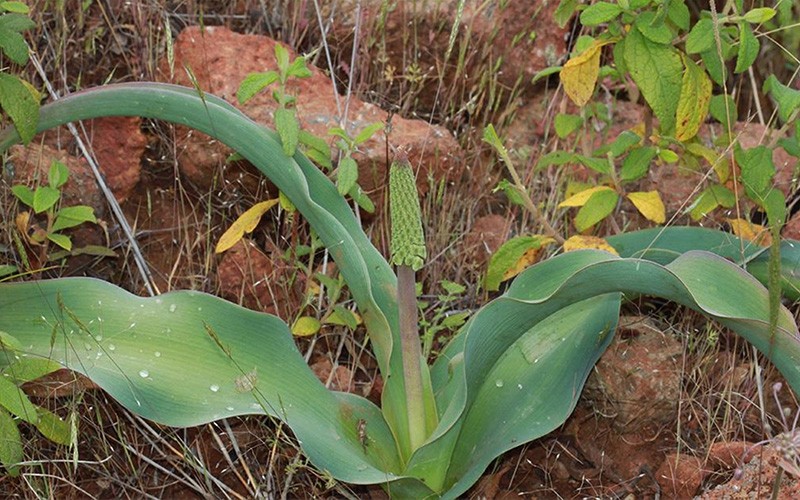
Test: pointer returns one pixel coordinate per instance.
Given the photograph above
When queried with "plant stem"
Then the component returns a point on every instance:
(412, 354)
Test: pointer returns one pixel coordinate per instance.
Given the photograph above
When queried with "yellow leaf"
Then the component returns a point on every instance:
(579, 74)
(717, 161)
(693, 102)
(580, 199)
(746, 230)
(244, 224)
(580, 242)
(305, 326)
(527, 259)
(650, 205)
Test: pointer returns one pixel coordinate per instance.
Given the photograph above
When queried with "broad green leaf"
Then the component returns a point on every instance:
(61, 240)
(343, 317)
(600, 165)
(694, 101)
(564, 12)
(507, 256)
(637, 163)
(346, 175)
(26, 369)
(657, 70)
(748, 48)
(298, 68)
(13, 399)
(53, 428)
(723, 109)
(756, 167)
(714, 66)
(21, 104)
(8, 345)
(245, 224)
(367, 133)
(57, 175)
(16, 22)
(668, 155)
(552, 70)
(24, 194)
(255, 83)
(580, 199)
(511, 192)
(176, 359)
(306, 326)
(44, 198)
(624, 142)
(364, 202)
(596, 208)
(282, 58)
(288, 129)
(649, 204)
(10, 444)
(554, 158)
(16, 7)
(566, 124)
(701, 37)
(579, 73)
(600, 12)
(712, 197)
(759, 15)
(788, 99)
(73, 216)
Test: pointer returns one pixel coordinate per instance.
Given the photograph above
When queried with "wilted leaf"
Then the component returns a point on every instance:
(717, 161)
(650, 205)
(508, 256)
(305, 326)
(581, 242)
(694, 101)
(580, 199)
(244, 224)
(749, 231)
(579, 74)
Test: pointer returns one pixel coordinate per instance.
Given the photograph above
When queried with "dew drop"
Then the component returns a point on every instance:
(157, 354)
(214, 388)
(98, 338)
(172, 308)
(111, 347)
(132, 325)
(498, 383)
(255, 406)
(199, 309)
(144, 373)
(229, 408)
(361, 467)
(158, 301)
(88, 347)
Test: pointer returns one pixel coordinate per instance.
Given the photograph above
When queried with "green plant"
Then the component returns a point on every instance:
(44, 201)
(513, 372)
(18, 99)
(656, 52)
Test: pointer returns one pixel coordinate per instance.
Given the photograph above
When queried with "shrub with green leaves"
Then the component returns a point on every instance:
(18, 99)
(511, 374)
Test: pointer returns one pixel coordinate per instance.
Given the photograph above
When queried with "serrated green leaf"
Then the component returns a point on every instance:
(10, 444)
(712, 197)
(701, 37)
(597, 164)
(597, 208)
(678, 13)
(759, 15)
(44, 198)
(61, 240)
(723, 109)
(787, 98)
(16, 22)
(657, 70)
(298, 68)
(288, 128)
(600, 12)
(694, 101)
(510, 191)
(362, 199)
(748, 48)
(282, 59)
(52, 427)
(346, 175)
(21, 105)
(13, 45)
(255, 83)
(57, 175)
(24, 194)
(652, 29)
(564, 12)
(73, 216)
(637, 163)
(566, 124)
(554, 158)
(624, 142)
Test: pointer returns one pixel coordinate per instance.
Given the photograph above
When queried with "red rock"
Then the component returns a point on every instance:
(248, 276)
(485, 237)
(221, 59)
(757, 477)
(680, 476)
(118, 145)
(341, 380)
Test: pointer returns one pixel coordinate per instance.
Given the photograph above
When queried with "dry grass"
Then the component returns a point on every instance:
(118, 454)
